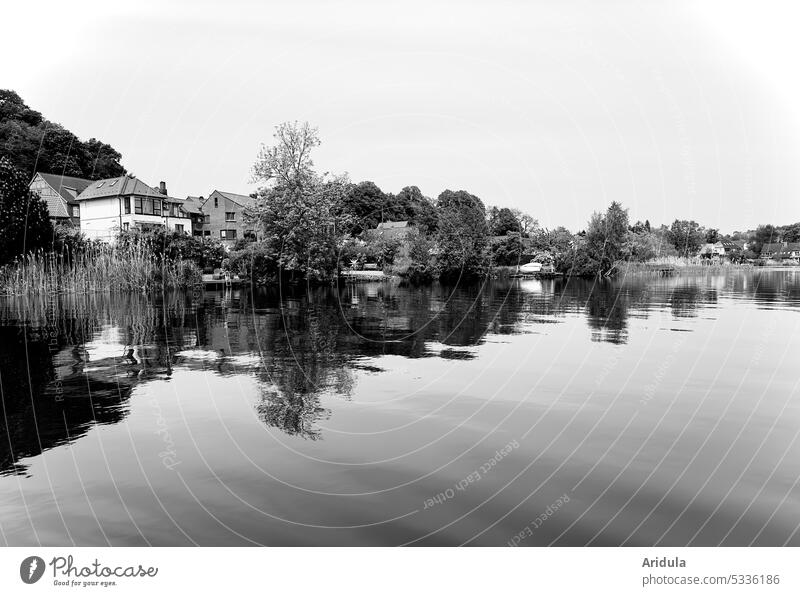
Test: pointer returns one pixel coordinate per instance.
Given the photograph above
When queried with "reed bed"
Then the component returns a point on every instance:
(679, 266)
(98, 268)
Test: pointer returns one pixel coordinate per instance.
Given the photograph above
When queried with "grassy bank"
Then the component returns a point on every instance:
(102, 268)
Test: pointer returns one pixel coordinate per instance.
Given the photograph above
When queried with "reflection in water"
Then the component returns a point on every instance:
(69, 364)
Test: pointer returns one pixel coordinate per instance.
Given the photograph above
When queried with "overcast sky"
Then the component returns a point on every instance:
(678, 110)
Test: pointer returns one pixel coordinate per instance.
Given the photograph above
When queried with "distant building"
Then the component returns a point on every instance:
(193, 206)
(223, 216)
(123, 203)
(781, 250)
(390, 230)
(61, 194)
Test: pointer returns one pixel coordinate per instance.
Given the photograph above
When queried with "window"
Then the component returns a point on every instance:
(216, 202)
(156, 207)
(75, 210)
(227, 234)
(230, 216)
(126, 226)
(99, 184)
(174, 210)
(126, 202)
(207, 219)
(113, 183)
(206, 232)
(179, 228)
(137, 205)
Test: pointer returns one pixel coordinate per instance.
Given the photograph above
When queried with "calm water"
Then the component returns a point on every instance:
(658, 411)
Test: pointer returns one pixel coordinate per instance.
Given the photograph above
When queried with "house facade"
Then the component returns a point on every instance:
(781, 250)
(123, 203)
(61, 195)
(390, 230)
(223, 216)
(193, 206)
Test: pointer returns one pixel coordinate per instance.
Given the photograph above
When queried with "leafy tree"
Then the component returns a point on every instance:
(528, 225)
(765, 234)
(712, 236)
(418, 209)
(288, 162)
(24, 220)
(299, 212)
(686, 236)
(34, 144)
(462, 236)
(508, 251)
(502, 221)
(367, 205)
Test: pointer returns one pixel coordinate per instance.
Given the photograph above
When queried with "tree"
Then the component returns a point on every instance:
(712, 236)
(765, 234)
(502, 221)
(462, 236)
(299, 212)
(686, 236)
(367, 205)
(34, 144)
(418, 209)
(24, 220)
(528, 225)
(288, 162)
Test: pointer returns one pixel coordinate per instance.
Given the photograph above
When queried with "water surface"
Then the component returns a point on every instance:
(564, 412)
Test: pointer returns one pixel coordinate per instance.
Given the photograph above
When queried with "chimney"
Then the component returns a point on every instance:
(162, 188)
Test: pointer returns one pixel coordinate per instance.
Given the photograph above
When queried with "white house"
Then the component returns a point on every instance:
(123, 203)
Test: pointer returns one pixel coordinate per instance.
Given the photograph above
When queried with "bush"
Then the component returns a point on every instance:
(255, 262)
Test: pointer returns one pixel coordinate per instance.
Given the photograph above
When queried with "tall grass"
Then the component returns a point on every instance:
(133, 267)
(678, 265)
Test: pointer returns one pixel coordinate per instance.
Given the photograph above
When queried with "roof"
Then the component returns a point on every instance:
(121, 186)
(67, 186)
(192, 205)
(729, 244)
(772, 247)
(242, 200)
(390, 225)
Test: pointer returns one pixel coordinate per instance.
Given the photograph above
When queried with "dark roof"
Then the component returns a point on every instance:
(64, 184)
(122, 186)
(242, 200)
(729, 244)
(771, 247)
(192, 205)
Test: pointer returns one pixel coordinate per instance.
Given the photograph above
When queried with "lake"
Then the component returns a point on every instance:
(647, 411)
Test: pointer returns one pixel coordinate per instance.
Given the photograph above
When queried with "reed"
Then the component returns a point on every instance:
(133, 267)
(678, 266)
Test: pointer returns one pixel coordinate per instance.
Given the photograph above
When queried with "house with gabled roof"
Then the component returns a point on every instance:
(223, 216)
(61, 194)
(390, 230)
(123, 203)
(781, 250)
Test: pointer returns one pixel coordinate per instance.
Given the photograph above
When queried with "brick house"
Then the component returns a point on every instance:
(224, 216)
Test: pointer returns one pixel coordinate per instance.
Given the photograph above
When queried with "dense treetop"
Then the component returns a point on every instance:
(34, 144)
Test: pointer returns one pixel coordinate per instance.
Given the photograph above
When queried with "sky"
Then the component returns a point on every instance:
(676, 109)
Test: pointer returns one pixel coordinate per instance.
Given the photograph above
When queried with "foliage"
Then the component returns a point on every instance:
(288, 162)
(32, 144)
(416, 261)
(367, 206)
(24, 220)
(502, 221)
(462, 236)
(411, 205)
(686, 237)
(508, 251)
(255, 261)
(206, 253)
